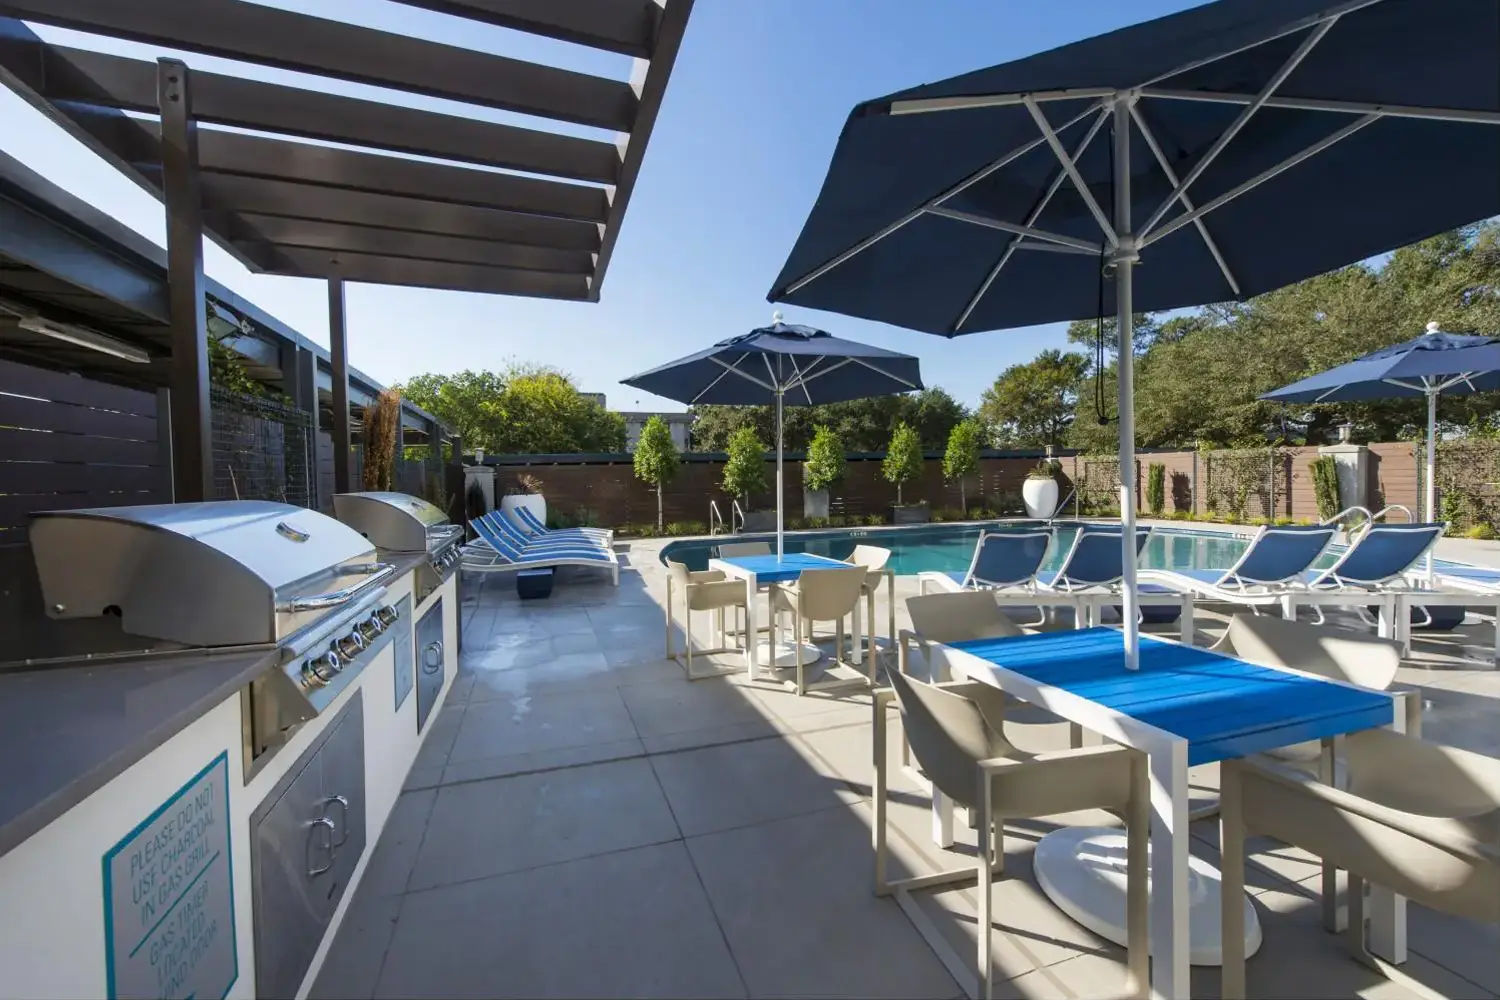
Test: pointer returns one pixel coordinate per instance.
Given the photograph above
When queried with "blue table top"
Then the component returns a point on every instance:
(769, 569)
(1224, 707)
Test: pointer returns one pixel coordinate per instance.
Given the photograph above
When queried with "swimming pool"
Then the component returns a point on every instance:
(950, 547)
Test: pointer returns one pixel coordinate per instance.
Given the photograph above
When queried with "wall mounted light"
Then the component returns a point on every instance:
(80, 336)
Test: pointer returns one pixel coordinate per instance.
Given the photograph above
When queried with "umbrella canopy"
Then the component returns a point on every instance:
(782, 364)
(1429, 365)
(1205, 156)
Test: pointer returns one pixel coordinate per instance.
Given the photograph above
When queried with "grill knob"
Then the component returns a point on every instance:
(387, 615)
(321, 670)
(371, 626)
(350, 645)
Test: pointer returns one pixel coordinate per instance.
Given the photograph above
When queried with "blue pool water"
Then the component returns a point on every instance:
(949, 548)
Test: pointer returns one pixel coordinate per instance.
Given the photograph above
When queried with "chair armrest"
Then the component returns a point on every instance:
(706, 576)
(714, 594)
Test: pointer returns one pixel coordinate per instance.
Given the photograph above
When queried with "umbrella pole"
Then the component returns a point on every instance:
(1124, 261)
(779, 498)
(1431, 502)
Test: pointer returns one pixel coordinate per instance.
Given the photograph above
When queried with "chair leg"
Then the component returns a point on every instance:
(687, 636)
(877, 798)
(983, 963)
(1137, 887)
(1232, 884)
(797, 644)
(1359, 946)
(670, 653)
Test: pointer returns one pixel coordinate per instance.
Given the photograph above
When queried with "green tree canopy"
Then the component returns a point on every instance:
(825, 460)
(745, 471)
(862, 424)
(903, 458)
(656, 459)
(521, 410)
(962, 456)
(1033, 404)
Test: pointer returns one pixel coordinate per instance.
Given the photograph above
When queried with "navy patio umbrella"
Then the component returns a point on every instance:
(1429, 366)
(1202, 157)
(782, 364)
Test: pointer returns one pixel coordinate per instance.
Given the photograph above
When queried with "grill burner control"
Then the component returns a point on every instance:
(387, 615)
(320, 670)
(350, 645)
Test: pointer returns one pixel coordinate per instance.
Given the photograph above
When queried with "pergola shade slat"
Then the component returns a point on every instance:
(624, 26)
(434, 274)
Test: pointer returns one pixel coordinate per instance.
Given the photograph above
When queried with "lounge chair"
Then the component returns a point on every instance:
(524, 519)
(1371, 571)
(1094, 569)
(494, 552)
(1002, 560)
(1273, 563)
(1419, 820)
(501, 524)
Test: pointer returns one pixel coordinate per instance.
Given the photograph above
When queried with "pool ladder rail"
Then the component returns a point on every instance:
(716, 519)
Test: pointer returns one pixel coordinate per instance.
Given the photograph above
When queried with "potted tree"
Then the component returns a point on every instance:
(962, 457)
(656, 460)
(823, 468)
(903, 463)
(527, 492)
(745, 473)
(1039, 491)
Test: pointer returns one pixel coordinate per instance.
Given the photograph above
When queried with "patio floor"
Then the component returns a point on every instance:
(582, 821)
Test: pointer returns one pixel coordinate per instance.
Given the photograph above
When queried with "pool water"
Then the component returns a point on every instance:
(950, 548)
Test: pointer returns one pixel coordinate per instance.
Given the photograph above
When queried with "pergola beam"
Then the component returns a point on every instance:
(624, 26)
(233, 29)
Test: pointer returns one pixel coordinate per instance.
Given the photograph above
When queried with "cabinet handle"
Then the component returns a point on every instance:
(343, 821)
(323, 823)
(432, 658)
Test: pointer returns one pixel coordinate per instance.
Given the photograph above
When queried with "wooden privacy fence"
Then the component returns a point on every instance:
(1245, 483)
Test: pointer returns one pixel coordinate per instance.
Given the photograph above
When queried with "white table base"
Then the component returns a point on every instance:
(1082, 870)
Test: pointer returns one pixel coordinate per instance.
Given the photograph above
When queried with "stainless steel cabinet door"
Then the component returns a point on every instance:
(343, 758)
(292, 845)
(431, 657)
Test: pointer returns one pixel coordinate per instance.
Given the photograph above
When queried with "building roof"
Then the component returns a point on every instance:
(290, 207)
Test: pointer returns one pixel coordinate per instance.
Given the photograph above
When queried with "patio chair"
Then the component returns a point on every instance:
(956, 731)
(823, 595)
(503, 523)
(701, 591)
(493, 552)
(875, 560)
(731, 550)
(1417, 819)
(1337, 654)
(532, 526)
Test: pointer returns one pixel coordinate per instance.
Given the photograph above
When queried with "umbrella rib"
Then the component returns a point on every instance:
(1011, 227)
(1188, 217)
(731, 369)
(890, 375)
(1277, 79)
(936, 201)
(1457, 115)
(1036, 213)
(776, 383)
(800, 377)
(1071, 169)
(1187, 202)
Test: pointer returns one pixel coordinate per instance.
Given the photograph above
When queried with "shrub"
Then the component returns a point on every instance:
(1282, 522)
(679, 528)
(825, 460)
(745, 470)
(875, 520)
(796, 523)
(1156, 488)
(1325, 476)
(1258, 522)
(1180, 515)
(817, 522)
(1231, 518)
(903, 458)
(1481, 532)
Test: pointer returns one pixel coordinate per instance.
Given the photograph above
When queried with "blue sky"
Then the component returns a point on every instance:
(755, 105)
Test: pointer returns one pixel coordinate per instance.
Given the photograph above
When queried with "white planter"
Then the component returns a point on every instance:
(814, 503)
(1040, 496)
(534, 502)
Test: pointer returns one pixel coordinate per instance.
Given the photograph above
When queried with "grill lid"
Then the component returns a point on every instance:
(205, 574)
(395, 522)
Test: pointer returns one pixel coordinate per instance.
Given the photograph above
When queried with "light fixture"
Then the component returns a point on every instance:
(82, 337)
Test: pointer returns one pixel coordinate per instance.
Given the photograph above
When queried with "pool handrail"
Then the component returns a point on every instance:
(715, 519)
(736, 514)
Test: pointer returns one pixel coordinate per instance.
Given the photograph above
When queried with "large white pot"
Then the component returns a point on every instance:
(1040, 496)
(534, 502)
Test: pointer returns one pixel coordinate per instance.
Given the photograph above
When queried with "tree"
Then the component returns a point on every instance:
(861, 424)
(745, 471)
(962, 457)
(825, 460)
(523, 409)
(656, 459)
(934, 414)
(1032, 405)
(903, 458)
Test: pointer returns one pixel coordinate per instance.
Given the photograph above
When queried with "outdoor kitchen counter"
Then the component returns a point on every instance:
(66, 733)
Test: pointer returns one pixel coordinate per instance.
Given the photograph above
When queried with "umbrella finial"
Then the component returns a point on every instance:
(1432, 327)
(776, 318)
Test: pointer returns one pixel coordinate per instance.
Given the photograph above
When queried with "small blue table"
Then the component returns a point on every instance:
(758, 571)
(1184, 706)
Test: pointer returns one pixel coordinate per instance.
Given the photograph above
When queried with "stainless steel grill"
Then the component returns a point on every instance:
(228, 574)
(400, 524)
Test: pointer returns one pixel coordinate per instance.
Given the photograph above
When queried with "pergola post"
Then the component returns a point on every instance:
(191, 417)
(338, 350)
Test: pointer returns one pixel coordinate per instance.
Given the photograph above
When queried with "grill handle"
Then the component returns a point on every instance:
(378, 572)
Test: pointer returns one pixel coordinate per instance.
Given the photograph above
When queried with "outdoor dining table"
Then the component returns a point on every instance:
(760, 571)
(1184, 706)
